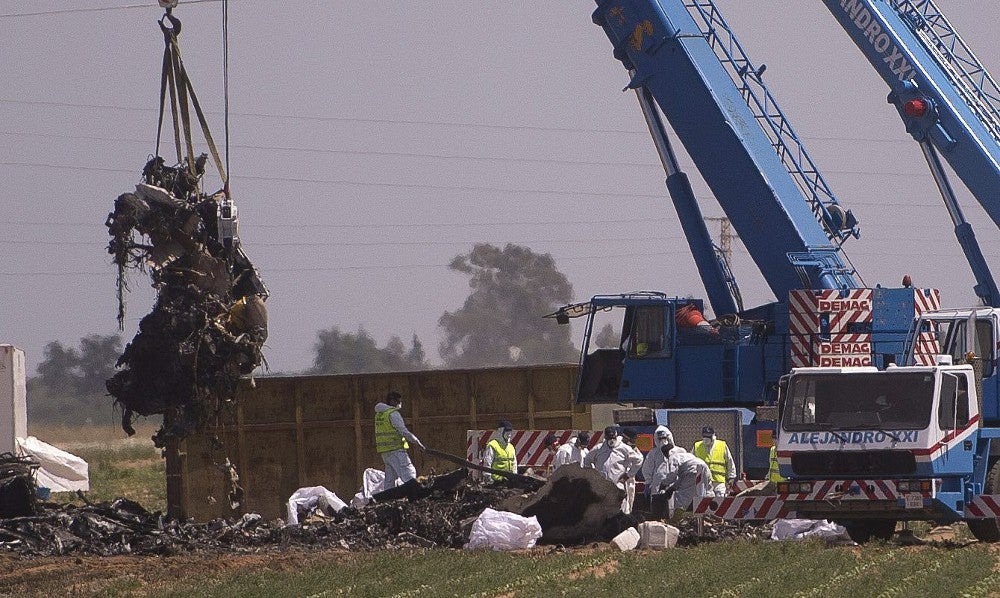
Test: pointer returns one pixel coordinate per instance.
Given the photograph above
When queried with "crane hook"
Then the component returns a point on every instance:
(175, 24)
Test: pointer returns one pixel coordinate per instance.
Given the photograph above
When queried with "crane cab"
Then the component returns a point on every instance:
(969, 336)
(648, 347)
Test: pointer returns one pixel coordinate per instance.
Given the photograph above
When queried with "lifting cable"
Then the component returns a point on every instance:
(175, 83)
(225, 86)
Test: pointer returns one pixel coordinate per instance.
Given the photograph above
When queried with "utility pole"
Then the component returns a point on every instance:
(726, 235)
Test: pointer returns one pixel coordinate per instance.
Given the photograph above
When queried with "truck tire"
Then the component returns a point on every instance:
(988, 530)
(863, 530)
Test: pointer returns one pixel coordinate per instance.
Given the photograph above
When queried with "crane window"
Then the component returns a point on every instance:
(954, 409)
(648, 332)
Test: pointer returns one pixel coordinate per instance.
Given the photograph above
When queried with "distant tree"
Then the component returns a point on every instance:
(608, 338)
(69, 385)
(501, 322)
(98, 355)
(57, 370)
(354, 353)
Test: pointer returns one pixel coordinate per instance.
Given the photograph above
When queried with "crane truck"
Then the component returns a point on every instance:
(868, 447)
(686, 64)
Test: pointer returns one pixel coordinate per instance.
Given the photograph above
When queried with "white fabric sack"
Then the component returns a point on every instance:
(60, 471)
(500, 530)
(313, 497)
(372, 482)
(797, 529)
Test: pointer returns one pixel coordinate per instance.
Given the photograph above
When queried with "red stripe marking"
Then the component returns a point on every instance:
(886, 491)
(765, 509)
(947, 438)
(991, 503)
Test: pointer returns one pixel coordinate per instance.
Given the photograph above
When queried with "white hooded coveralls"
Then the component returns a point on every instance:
(569, 453)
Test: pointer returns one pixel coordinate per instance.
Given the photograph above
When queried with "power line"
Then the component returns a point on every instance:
(355, 183)
(384, 121)
(491, 223)
(365, 243)
(64, 11)
(387, 154)
(265, 271)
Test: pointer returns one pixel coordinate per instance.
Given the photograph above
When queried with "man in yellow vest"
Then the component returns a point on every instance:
(392, 439)
(500, 453)
(773, 475)
(716, 454)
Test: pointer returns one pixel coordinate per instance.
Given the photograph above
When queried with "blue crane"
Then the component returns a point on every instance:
(687, 68)
(947, 99)
(739, 139)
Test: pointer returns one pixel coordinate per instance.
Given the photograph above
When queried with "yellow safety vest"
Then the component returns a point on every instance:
(503, 458)
(716, 461)
(388, 438)
(772, 473)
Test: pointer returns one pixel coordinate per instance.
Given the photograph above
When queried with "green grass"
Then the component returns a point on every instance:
(738, 568)
(138, 473)
(134, 469)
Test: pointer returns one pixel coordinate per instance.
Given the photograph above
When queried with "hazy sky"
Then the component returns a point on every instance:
(373, 141)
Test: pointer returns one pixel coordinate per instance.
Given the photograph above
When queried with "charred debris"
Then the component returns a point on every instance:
(209, 322)
(439, 516)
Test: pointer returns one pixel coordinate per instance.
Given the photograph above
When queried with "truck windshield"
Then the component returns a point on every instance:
(875, 401)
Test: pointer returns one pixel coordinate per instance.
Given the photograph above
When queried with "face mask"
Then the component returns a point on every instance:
(612, 442)
(665, 449)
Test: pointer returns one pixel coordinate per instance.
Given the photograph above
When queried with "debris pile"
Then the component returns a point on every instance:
(209, 322)
(439, 518)
(575, 506)
(716, 530)
(17, 485)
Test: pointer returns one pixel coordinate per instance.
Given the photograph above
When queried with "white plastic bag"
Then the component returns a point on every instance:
(500, 530)
(372, 483)
(60, 471)
(797, 529)
(311, 498)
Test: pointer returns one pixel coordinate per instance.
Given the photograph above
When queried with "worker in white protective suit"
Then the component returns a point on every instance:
(573, 452)
(661, 435)
(392, 439)
(634, 464)
(616, 461)
(677, 481)
(598, 456)
(694, 479)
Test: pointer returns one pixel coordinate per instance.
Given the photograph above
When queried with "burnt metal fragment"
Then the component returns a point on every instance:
(209, 323)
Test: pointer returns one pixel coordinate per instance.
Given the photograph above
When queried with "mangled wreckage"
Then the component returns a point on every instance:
(209, 323)
(439, 516)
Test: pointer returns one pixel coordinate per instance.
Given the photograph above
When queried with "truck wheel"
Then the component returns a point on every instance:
(863, 530)
(988, 530)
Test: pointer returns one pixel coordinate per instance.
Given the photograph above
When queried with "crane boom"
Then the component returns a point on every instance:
(947, 99)
(737, 137)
